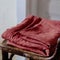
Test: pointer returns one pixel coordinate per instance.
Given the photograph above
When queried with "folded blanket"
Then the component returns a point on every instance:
(34, 34)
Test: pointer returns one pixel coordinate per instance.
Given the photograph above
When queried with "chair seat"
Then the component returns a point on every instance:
(17, 51)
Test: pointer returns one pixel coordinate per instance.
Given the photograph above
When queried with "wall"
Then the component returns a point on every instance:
(54, 9)
(21, 10)
(8, 16)
(31, 7)
(43, 8)
(11, 13)
(49, 9)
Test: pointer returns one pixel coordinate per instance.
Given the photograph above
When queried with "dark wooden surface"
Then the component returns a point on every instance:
(57, 55)
(4, 55)
(14, 50)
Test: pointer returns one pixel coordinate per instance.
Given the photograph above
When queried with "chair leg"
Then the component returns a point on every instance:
(57, 56)
(31, 59)
(4, 55)
(11, 56)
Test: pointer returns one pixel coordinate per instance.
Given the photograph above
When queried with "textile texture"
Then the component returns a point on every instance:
(34, 34)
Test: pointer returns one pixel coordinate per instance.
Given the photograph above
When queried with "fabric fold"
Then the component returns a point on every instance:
(34, 34)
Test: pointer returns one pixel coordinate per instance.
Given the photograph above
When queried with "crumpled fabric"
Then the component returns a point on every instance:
(34, 34)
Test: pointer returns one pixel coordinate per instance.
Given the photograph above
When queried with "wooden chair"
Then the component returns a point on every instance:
(30, 55)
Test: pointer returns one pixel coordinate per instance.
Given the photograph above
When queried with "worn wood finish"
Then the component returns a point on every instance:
(57, 56)
(14, 50)
(4, 55)
(17, 51)
(11, 56)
